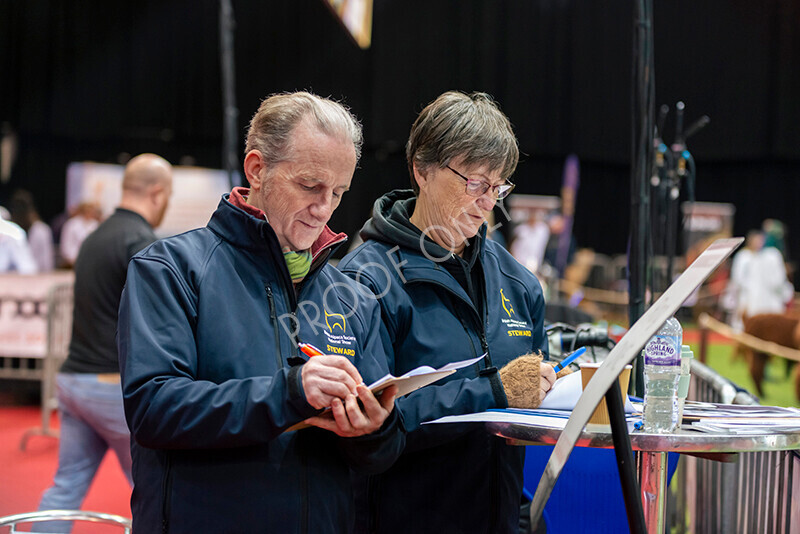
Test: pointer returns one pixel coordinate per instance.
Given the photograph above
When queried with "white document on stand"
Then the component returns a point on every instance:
(520, 417)
(552, 413)
(567, 390)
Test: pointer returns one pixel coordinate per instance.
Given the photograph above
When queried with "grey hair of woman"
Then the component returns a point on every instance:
(272, 125)
(460, 125)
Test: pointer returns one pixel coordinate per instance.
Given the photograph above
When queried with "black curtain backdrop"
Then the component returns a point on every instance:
(90, 80)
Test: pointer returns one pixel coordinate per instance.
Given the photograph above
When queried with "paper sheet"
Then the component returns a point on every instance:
(503, 416)
(419, 377)
(567, 390)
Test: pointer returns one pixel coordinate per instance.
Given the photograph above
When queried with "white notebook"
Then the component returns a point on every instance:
(410, 381)
(419, 377)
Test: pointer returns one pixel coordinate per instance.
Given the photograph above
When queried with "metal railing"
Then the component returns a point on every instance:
(46, 516)
(752, 494)
(59, 331)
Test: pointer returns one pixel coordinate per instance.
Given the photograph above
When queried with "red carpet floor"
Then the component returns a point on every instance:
(692, 336)
(24, 475)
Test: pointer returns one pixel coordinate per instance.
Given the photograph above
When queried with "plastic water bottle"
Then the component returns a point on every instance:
(685, 379)
(662, 369)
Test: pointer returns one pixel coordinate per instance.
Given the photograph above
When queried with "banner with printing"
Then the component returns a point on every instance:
(23, 312)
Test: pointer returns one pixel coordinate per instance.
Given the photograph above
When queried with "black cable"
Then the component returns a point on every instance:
(624, 454)
(558, 326)
(578, 330)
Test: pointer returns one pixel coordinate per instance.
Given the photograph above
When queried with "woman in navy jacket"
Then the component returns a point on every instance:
(447, 293)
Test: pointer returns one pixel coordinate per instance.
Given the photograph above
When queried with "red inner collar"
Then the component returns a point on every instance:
(327, 238)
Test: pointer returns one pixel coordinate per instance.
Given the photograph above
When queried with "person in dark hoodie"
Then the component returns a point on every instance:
(209, 326)
(447, 293)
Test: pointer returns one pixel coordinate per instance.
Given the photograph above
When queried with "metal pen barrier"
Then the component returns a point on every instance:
(59, 331)
(42, 517)
(752, 494)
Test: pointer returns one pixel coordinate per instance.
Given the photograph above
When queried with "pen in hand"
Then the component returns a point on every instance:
(569, 359)
(309, 350)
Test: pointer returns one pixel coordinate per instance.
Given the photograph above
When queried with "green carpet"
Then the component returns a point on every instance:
(778, 387)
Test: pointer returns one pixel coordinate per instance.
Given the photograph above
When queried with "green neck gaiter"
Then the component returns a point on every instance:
(299, 263)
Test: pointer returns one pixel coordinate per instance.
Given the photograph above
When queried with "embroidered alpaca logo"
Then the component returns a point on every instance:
(333, 324)
(509, 309)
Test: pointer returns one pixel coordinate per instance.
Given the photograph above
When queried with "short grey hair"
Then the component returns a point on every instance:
(460, 125)
(271, 126)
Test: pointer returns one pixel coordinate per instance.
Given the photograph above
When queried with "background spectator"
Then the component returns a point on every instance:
(40, 238)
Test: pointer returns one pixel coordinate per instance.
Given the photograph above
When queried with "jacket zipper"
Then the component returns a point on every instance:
(166, 504)
(304, 475)
(296, 327)
(304, 506)
(471, 340)
(470, 291)
(292, 294)
(372, 498)
(481, 326)
(485, 326)
(274, 317)
(494, 483)
(484, 342)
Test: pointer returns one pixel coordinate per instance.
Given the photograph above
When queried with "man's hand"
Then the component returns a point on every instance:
(351, 419)
(326, 378)
(547, 377)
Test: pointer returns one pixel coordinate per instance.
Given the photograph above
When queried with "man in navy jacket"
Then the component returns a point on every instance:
(209, 328)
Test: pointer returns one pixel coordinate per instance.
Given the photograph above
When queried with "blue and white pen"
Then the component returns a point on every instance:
(569, 359)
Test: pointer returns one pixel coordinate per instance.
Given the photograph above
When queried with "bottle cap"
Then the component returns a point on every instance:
(686, 351)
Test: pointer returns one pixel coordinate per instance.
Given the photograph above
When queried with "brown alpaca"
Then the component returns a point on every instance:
(781, 329)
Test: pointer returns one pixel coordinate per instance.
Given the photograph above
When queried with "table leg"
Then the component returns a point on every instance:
(653, 482)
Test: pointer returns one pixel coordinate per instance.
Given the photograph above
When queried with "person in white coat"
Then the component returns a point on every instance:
(765, 287)
(734, 299)
(15, 254)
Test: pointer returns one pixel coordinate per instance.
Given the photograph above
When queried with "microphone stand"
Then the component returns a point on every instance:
(658, 200)
(682, 168)
(642, 115)
(671, 165)
(230, 113)
(675, 173)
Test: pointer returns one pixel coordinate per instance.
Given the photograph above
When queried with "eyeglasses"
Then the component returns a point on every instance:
(477, 188)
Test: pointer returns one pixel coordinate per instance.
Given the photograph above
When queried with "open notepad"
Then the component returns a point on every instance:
(409, 382)
(419, 377)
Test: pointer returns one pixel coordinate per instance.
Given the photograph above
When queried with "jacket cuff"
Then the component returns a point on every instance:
(297, 396)
(374, 453)
(393, 423)
(498, 392)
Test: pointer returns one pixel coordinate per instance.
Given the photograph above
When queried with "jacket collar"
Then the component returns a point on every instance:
(416, 269)
(390, 223)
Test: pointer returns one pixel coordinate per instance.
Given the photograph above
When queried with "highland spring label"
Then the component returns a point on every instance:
(663, 350)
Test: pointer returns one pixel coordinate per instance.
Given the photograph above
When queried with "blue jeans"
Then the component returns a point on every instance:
(92, 421)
